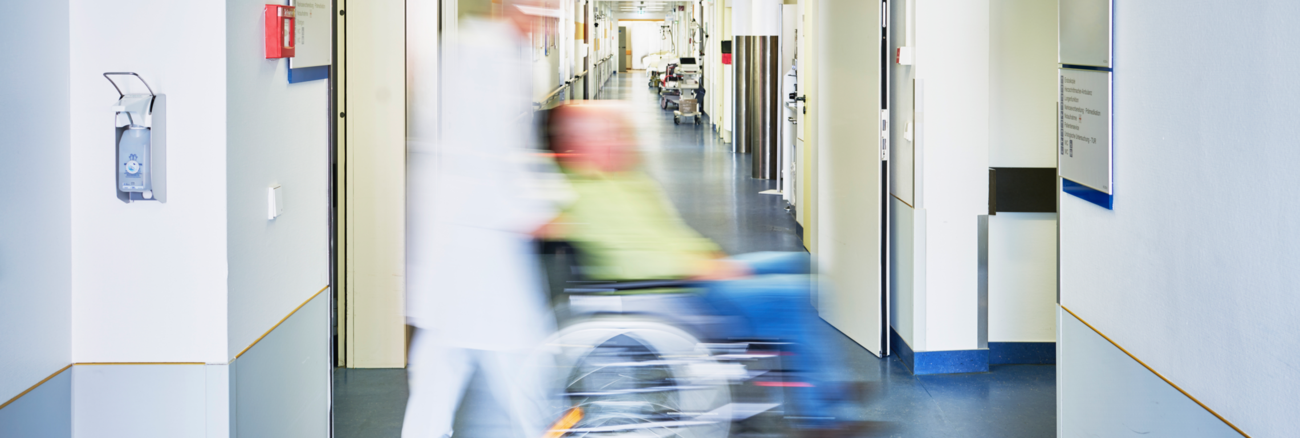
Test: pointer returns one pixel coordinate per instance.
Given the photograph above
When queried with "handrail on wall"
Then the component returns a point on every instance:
(569, 84)
(551, 96)
(556, 92)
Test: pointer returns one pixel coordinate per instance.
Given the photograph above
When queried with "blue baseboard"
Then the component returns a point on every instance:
(951, 362)
(901, 348)
(1022, 353)
(940, 362)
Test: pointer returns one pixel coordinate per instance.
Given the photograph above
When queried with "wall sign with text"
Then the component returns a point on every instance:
(1085, 126)
(1085, 51)
(314, 34)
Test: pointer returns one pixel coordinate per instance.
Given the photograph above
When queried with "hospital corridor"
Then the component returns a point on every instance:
(649, 218)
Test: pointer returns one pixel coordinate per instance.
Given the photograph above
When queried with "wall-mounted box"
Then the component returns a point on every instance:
(140, 140)
(280, 30)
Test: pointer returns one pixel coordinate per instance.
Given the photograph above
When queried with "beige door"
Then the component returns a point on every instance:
(848, 192)
(371, 133)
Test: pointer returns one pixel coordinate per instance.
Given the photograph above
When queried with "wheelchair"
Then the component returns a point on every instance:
(650, 359)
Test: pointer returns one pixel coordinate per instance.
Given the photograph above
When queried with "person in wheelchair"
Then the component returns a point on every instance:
(624, 228)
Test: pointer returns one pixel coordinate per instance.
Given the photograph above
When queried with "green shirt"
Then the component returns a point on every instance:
(625, 229)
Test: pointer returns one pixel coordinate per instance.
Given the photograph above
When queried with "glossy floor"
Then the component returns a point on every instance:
(711, 188)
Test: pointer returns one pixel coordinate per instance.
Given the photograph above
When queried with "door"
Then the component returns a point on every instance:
(805, 129)
(624, 50)
(370, 164)
(586, 52)
(849, 170)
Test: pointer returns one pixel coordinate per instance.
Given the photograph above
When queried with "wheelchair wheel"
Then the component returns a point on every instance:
(638, 378)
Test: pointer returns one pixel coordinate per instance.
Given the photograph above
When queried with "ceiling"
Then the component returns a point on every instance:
(643, 5)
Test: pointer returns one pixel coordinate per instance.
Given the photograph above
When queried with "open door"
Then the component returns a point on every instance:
(850, 173)
(370, 170)
(624, 50)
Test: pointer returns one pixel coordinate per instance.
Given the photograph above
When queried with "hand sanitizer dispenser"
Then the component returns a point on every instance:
(141, 126)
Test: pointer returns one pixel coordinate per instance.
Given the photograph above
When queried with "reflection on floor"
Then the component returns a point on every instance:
(712, 189)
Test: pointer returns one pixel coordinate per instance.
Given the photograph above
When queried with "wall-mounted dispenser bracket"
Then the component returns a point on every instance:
(140, 140)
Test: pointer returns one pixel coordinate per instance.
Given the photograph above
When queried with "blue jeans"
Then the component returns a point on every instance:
(775, 303)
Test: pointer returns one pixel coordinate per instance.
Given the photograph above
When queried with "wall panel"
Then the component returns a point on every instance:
(144, 401)
(1196, 288)
(35, 226)
(1104, 392)
(45, 412)
(282, 385)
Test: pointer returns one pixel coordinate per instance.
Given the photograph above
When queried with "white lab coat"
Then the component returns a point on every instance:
(472, 274)
(474, 289)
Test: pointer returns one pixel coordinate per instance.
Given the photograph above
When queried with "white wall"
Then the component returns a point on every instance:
(1193, 272)
(723, 92)
(576, 29)
(1005, 64)
(1022, 277)
(645, 39)
(903, 291)
(278, 133)
(103, 281)
(35, 245)
(564, 31)
(789, 24)
(906, 256)
(1022, 133)
(1022, 83)
(149, 280)
(952, 58)
(546, 66)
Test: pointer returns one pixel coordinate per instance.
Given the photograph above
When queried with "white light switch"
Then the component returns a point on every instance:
(904, 56)
(274, 202)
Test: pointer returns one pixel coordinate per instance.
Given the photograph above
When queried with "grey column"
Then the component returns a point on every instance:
(751, 100)
(740, 60)
(765, 110)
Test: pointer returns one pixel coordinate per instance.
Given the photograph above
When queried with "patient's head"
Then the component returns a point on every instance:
(591, 136)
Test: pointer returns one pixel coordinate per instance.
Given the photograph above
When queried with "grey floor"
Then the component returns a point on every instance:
(711, 188)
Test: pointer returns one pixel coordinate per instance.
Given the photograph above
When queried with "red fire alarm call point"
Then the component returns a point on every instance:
(279, 31)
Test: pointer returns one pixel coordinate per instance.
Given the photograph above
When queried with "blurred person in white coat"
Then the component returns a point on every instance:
(474, 290)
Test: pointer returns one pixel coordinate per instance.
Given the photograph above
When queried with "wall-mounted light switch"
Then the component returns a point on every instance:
(904, 56)
(274, 202)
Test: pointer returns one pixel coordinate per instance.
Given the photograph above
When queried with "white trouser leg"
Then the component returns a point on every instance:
(437, 376)
(518, 386)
